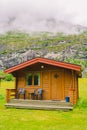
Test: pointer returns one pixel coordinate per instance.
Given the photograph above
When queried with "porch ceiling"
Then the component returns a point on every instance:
(40, 67)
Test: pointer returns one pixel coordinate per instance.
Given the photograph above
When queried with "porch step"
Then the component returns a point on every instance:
(39, 107)
(39, 104)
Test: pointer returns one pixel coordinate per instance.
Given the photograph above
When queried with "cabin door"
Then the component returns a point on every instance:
(56, 86)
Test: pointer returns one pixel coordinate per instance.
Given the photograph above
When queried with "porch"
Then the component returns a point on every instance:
(12, 102)
(39, 104)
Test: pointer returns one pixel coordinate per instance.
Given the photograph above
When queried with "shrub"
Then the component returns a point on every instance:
(8, 77)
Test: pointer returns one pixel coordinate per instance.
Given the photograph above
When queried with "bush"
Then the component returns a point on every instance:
(7, 77)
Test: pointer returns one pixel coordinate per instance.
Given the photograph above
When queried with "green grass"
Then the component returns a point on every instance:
(23, 119)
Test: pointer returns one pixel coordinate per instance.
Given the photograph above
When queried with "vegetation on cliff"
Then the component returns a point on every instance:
(17, 47)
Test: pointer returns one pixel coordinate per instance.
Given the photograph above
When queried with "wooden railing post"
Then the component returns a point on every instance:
(10, 93)
(7, 95)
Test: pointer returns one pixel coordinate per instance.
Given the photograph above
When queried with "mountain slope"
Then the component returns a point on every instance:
(17, 47)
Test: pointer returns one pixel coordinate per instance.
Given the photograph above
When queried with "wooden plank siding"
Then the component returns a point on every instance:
(53, 88)
(71, 86)
(46, 85)
(68, 83)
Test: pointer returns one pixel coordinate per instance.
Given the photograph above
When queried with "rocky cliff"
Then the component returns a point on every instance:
(17, 47)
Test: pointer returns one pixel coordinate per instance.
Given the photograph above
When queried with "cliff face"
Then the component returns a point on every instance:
(19, 47)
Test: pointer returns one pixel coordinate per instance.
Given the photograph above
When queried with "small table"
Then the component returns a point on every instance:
(31, 95)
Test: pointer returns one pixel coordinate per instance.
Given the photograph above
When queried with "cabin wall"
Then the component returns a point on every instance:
(67, 81)
(76, 96)
(71, 85)
(46, 85)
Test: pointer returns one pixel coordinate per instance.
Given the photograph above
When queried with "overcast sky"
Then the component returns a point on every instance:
(32, 14)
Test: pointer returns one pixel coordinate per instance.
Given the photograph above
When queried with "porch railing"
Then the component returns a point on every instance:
(13, 93)
(10, 93)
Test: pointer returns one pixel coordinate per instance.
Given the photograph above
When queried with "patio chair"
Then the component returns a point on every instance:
(21, 91)
(38, 93)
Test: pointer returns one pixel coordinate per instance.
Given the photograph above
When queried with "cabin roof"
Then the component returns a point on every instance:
(45, 61)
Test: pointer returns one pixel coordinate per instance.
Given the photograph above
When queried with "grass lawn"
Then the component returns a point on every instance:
(24, 119)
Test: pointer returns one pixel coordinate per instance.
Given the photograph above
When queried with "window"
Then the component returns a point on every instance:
(37, 79)
(33, 79)
(29, 79)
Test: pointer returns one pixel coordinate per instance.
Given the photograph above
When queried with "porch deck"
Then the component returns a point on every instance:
(39, 104)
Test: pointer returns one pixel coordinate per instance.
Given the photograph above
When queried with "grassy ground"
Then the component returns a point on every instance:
(20, 119)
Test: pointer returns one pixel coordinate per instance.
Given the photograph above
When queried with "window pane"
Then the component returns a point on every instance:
(37, 79)
(29, 79)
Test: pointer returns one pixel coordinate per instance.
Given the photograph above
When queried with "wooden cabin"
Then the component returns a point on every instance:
(58, 80)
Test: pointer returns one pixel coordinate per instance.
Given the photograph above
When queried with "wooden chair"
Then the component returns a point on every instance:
(20, 91)
(38, 93)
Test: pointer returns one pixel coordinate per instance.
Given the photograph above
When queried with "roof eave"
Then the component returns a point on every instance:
(45, 61)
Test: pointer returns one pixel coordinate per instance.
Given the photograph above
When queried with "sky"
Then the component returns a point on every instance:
(39, 15)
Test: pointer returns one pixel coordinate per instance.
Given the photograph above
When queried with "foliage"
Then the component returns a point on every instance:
(18, 40)
(7, 77)
(85, 48)
(83, 63)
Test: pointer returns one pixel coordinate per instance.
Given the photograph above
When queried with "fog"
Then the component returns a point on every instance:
(41, 15)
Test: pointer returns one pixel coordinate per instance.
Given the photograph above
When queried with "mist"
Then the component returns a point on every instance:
(42, 15)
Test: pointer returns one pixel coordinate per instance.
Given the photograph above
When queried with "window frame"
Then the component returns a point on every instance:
(33, 79)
